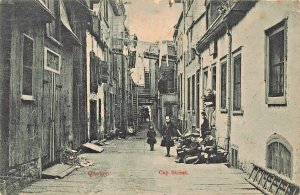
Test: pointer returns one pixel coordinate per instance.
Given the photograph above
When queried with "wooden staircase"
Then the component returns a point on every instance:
(135, 109)
(270, 182)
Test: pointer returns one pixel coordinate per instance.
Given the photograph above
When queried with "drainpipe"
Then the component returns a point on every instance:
(184, 71)
(229, 92)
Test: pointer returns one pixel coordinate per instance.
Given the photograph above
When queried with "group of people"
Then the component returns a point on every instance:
(168, 132)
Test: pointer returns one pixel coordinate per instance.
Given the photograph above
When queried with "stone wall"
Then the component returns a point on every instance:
(19, 177)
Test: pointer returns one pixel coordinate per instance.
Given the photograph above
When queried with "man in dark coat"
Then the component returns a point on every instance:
(168, 133)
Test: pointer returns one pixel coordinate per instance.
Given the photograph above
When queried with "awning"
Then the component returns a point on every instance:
(65, 21)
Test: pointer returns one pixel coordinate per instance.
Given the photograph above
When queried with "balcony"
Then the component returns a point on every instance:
(151, 55)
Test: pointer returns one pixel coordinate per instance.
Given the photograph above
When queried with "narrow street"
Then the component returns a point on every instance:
(128, 167)
(74, 74)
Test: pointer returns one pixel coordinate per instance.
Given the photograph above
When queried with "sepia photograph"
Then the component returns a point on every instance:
(149, 97)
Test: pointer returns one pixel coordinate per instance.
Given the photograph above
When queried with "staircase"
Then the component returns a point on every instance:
(135, 109)
(269, 182)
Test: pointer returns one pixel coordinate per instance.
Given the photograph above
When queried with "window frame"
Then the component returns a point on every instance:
(277, 28)
(56, 38)
(205, 79)
(46, 49)
(181, 90)
(26, 96)
(236, 55)
(222, 61)
(189, 94)
(193, 92)
(105, 10)
(198, 98)
(279, 139)
(214, 73)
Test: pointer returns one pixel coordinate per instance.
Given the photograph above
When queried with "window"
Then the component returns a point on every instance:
(193, 92)
(171, 82)
(171, 50)
(169, 110)
(223, 84)
(189, 94)
(181, 92)
(279, 155)
(193, 54)
(205, 76)
(208, 13)
(237, 82)
(52, 61)
(53, 28)
(276, 63)
(213, 77)
(198, 99)
(191, 35)
(27, 66)
(105, 6)
(99, 111)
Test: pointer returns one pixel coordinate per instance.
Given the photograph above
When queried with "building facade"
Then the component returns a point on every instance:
(111, 54)
(43, 50)
(64, 81)
(161, 81)
(253, 72)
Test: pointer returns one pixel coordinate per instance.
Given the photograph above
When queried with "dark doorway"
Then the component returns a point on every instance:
(93, 120)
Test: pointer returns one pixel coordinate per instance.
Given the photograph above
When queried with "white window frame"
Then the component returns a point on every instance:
(222, 60)
(235, 54)
(280, 100)
(205, 80)
(46, 67)
(27, 97)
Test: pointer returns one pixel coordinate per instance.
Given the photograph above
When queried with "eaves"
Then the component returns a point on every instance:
(219, 27)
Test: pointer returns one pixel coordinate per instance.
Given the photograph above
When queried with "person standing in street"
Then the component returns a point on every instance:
(151, 137)
(167, 134)
(204, 125)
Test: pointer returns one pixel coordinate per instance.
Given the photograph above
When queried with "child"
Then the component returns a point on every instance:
(151, 137)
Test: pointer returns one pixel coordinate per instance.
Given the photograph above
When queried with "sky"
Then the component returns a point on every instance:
(151, 21)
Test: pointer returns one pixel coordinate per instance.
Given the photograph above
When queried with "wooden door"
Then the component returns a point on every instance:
(51, 117)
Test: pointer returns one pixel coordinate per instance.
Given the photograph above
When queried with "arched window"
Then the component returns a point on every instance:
(279, 155)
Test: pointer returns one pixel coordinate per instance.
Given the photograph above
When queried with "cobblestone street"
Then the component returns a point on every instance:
(128, 167)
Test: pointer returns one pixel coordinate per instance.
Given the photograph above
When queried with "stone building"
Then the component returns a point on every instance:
(248, 55)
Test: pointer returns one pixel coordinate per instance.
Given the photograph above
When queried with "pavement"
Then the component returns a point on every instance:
(129, 167)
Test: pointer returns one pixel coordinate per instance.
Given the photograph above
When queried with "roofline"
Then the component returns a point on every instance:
(218, 26)
(176, 26)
